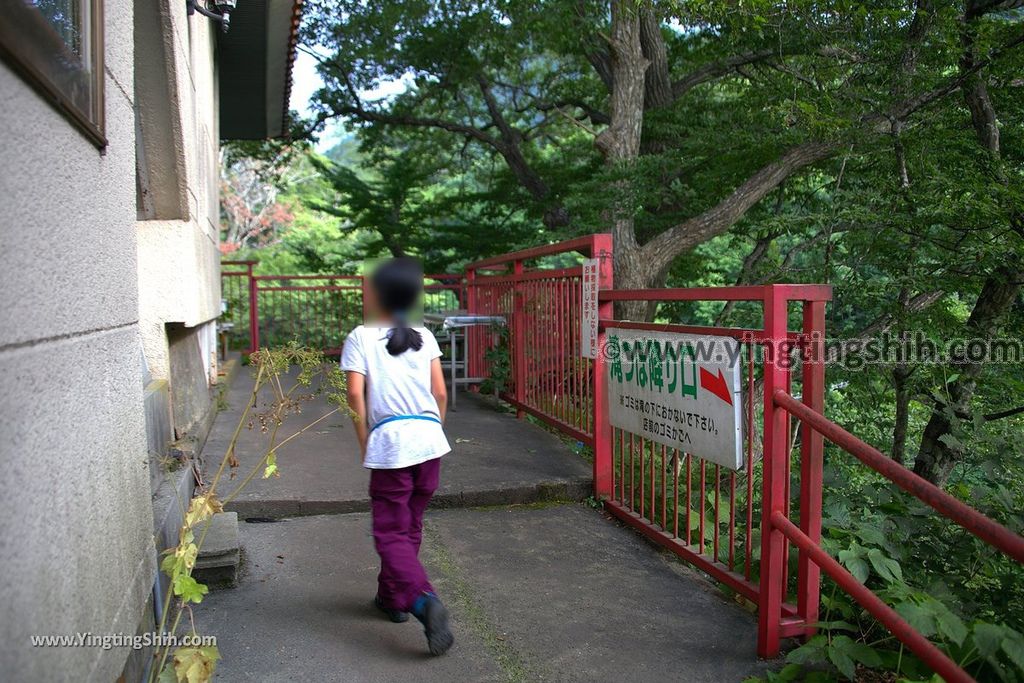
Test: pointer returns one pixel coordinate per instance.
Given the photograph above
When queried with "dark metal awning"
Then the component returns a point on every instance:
(255, 68)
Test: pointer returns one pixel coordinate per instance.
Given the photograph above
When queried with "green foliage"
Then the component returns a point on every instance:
(499, 363)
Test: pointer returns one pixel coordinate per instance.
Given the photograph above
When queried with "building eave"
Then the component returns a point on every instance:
(255, 60)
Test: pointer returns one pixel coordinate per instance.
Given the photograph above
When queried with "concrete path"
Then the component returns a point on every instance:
(538, 592)
(555, 593)
(495, 459)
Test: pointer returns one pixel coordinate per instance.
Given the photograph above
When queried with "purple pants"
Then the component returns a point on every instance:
(398, 499)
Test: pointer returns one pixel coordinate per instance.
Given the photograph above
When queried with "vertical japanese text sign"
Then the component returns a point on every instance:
(588, 310)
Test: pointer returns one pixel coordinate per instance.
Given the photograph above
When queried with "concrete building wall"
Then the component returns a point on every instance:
(179, 260)
(76, 534)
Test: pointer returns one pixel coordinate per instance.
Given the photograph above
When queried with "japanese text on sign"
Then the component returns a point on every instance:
(680, 390)
(589, 314)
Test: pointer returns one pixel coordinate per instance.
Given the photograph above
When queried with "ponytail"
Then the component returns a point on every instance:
(401, 339)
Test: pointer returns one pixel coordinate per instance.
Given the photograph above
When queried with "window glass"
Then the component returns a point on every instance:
(65, 17)
(57, 46)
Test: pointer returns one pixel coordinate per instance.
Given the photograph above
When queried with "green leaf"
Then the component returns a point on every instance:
(865, 654)
(853, 560)
(837, 626)
(987, 638)
(872, 535)
(188, 589)
(950, 625)
(168, 675)
(271, 468)
(810, 652)
(886, 567)
(790, 672)
(919, 617)
(838, 654)
(1013, 646)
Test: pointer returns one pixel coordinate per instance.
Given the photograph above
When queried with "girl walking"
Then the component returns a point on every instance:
(396, 390)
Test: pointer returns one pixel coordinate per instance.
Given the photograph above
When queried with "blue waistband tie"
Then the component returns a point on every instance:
(428, 418)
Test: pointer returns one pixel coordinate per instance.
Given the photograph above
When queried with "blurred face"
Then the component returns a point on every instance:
(395, 286)
(371, 302)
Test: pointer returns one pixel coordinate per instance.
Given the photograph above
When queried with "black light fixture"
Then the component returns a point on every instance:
(221, 10)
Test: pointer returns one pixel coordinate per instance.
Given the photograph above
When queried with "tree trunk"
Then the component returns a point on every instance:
(620, 144)
(900, 379)
(657, 83)
(936, 458)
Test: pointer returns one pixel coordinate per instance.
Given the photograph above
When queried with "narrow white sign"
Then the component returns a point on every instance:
(681, 390)
(588, 309)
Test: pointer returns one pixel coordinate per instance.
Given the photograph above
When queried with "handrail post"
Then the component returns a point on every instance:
(254, 316)
(519, 337)
(811, 454)
(603, 460)
(773, 495)
(474, 342)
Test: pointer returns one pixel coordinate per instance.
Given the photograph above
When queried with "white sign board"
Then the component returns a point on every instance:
(588, 309)
(681, 390)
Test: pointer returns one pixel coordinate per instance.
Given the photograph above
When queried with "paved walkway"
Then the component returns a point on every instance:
(538, 592)
(495, 459)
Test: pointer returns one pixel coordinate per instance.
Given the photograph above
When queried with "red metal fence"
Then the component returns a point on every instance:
(709, 515)
(736, 526)
(315, 310)
(539, 292)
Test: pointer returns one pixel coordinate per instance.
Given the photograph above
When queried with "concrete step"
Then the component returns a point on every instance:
(217, 564)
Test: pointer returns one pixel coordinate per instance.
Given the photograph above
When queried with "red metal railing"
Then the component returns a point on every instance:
(736, 526)
(541, 303)
(709, 515)
(316, 310)
(967, 517)
(237, 291)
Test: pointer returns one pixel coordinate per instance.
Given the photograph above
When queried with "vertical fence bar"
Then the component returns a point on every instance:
(776, 443)
(675, 492)
(703, 503)
(689, 496)
(254, 315)
(664, 492)
(475, 341)
(811, 452)
(593, 403)
(749, 543)
(519, 335)
(718, 510)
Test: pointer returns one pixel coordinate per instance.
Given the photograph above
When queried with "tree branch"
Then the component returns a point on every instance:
(713, 70)
(719, 218)
(393, 119)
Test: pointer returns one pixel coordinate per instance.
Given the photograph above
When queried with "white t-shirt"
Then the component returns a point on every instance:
(396, 386)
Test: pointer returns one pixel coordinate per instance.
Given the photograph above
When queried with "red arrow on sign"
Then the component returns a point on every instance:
(716, 385)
